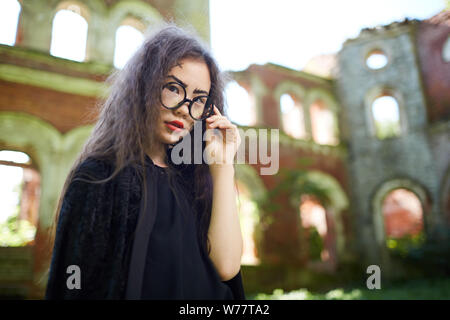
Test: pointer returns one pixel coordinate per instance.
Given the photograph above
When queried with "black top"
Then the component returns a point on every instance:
(175, 265)
(96, 231)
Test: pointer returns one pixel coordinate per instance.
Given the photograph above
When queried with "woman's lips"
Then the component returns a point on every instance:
(173, 127)
(177, 123)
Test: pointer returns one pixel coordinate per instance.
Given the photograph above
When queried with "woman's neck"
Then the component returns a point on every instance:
(158, 154)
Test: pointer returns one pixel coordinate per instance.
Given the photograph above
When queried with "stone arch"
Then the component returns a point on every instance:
(81, 9)
(131, 28)
(381, 193)
(52, 152)
(445, 196)
(257, 90)
(319, 93)
(289, 87)
(376, 47)
(29, 183)
(380, 91)
(135, 23)
(93, 6)
(299, 92)
(96, 46)
(138, 9)
(12, 13)
(143, 13)
(330, 101)
(250, 177)
(258, 192)
(338, 202)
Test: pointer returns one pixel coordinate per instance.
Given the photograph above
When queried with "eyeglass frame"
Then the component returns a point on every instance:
(185, 99)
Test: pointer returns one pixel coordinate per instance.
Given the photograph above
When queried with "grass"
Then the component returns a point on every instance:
(424, 289)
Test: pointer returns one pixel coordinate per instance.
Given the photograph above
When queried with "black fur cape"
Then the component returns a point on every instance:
(95, 232)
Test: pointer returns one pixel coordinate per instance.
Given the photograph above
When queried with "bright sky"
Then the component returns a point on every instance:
(284, 32)
(290, 33)
(10, 178)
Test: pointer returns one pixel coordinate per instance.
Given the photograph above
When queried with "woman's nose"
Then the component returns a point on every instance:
(183, 110)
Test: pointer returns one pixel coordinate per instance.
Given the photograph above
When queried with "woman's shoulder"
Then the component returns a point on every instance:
(97, 177)
(94, 167)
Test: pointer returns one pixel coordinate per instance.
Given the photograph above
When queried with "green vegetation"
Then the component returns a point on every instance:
(405, 244)
(424, 259)
(15, 232)
(425, 289)
(387, 129)
(295, 184)
(429, 255)
(315, 244)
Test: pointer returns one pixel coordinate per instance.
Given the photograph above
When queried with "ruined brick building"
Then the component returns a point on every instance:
(360, 174)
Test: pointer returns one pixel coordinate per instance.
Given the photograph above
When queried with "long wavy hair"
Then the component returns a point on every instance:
(124, 130)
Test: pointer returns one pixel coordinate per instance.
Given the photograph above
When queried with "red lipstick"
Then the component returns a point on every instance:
(175, 125)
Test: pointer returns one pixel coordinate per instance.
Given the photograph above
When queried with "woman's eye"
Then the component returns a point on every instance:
(173, 89)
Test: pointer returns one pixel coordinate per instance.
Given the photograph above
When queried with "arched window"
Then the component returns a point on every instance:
(446, 50)
(9, 18)
(445, 191)
(322, 123)
(241, 108)
(19, 205)
(248, 218)
(69, 32)
(386, 117)
(376, 59)
(292, 116)
(129, 37)
(314, 223)
(403, 218)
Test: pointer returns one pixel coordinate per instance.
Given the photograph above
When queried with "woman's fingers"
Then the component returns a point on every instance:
(212, 118)
(217, 111)
(221, 123)
(216, 118)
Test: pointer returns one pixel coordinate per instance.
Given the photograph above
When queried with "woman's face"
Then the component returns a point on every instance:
(193, 74)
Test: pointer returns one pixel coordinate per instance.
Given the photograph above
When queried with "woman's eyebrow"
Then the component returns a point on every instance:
(185, 85)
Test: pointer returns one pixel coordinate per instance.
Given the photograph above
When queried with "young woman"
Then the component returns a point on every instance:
(132, 224)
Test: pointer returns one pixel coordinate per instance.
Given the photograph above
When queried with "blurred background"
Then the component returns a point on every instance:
(360, 91)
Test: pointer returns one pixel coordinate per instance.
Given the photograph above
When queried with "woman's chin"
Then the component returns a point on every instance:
(174, 138)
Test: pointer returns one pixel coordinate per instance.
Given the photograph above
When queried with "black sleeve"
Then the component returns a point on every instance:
(236, 286)
(78, 242)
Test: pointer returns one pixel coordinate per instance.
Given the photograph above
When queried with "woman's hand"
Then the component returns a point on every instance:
(221, 147)
(224, 231)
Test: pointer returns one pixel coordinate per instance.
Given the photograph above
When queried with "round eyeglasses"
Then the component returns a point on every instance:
(173, 96)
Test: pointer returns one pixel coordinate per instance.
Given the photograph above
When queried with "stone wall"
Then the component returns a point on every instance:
(374, 162)
(104, 17)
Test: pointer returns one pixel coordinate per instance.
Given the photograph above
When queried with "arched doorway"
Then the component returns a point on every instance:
(20, 193)
(251, 193)
(403, 219)
(401, 214)
(323, 125)
(385, 199)
(314, 224)
(321, 218)
(20, 186)
(249, 219)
